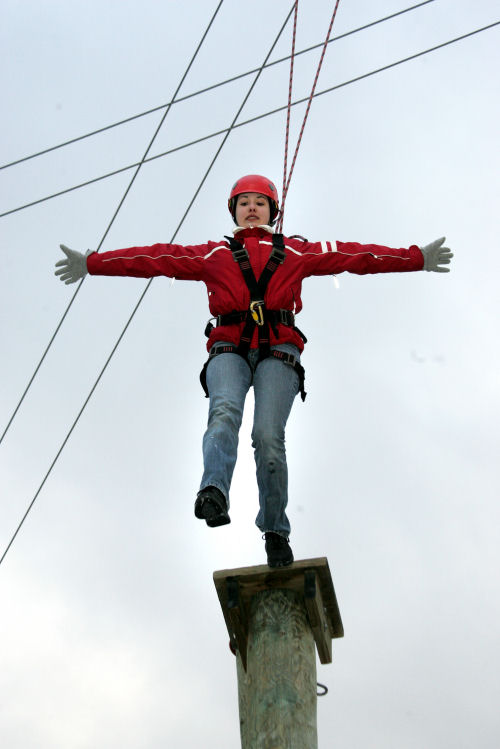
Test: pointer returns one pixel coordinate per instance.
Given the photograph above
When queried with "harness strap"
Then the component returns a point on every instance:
(257, 291)
(257, 314)
(229, 348)
(274, 316)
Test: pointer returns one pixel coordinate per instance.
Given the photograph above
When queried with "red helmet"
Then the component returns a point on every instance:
(254, 183)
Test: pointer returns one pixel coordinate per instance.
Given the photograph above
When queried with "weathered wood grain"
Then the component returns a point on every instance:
(277, 692)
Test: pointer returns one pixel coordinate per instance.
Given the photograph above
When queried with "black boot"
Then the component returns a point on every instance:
(279, 553)
(211, 506)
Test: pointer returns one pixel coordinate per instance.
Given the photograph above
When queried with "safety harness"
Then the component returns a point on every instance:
(257, 315)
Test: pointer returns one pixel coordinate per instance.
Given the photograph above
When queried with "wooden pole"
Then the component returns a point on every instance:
(277, 692)
(274, 618)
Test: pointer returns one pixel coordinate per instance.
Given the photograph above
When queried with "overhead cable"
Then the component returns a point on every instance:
(252, 119)
(143, 294)
(209, 88)
(137, 166)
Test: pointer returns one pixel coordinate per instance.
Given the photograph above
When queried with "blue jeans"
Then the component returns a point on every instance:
(275, 384)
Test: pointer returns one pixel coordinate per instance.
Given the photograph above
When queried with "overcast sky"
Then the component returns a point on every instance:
(111, 634)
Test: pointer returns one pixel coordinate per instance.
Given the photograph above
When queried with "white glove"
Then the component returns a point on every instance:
(435, 256)
(74, 267)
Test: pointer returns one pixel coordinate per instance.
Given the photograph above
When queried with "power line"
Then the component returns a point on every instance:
(148, 285)
(249, 121)
(138, 167)
(208, 88)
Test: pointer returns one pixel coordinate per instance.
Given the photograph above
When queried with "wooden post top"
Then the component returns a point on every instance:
(310, 578)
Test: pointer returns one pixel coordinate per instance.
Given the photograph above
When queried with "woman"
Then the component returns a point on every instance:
(254, 282)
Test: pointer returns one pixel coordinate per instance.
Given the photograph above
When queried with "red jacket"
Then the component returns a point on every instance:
(213, 264)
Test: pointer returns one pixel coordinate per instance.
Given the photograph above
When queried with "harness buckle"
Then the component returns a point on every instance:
(285, 357)
(209, 327)
(286, 317)
(257, 311)
(239, 254)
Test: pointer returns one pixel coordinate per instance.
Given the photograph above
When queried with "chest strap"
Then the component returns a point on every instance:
(258, 314)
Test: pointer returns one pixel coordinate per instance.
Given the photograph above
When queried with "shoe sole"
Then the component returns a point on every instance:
(215, 522)
(279, 564)
(222, 518)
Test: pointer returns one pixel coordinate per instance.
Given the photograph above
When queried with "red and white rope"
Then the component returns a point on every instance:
(286, 179)
(287, 131)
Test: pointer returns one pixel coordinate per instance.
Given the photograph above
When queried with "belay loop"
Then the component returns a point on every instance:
(257, 315)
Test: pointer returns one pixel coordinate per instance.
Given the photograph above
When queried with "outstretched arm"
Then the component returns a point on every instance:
(435, 256)
(323, 258)
(185, 262)
(73, 267)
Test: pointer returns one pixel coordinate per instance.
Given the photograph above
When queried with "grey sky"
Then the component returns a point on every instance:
(110, 629)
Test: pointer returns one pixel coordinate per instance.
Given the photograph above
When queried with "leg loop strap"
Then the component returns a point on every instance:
(229, 348)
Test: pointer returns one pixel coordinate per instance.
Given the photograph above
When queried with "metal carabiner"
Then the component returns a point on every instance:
(257, 312)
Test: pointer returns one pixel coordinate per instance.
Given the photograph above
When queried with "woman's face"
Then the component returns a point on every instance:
(252, 209)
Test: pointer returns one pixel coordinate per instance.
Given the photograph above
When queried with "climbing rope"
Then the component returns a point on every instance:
(287, 178)
(287, 130)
